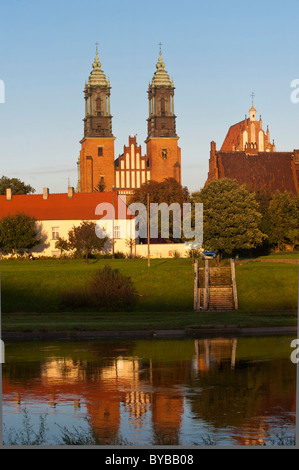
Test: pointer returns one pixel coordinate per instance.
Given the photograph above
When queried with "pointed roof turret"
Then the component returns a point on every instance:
(252, 111)
(97, 76)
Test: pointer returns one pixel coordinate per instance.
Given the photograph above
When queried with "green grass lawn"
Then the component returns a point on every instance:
(282, 255)
(36, 286)
(31, 295)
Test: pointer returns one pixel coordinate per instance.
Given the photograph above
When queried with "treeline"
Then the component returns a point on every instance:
(235, 220)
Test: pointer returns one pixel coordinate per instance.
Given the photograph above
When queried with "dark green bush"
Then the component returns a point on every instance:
(107, 290)
(111, 290)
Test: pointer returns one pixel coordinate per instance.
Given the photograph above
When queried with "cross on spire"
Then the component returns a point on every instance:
(160, 45)
(96, 46)
(252, 97)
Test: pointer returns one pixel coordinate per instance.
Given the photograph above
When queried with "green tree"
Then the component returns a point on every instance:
(83, 238)
(230, 217)
(17, 186)
(62, 244)
(284, 220)
(168, 191)
(18, 233)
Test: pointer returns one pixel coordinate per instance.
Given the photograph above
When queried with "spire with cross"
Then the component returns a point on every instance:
(252, 111)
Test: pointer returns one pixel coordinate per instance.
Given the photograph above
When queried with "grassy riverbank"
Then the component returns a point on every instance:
(32, 291)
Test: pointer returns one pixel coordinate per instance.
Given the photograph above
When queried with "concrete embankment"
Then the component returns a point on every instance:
(191, 332)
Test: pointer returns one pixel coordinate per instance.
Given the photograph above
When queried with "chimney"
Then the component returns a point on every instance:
(45, 193)
(8, 194)
(70, 192)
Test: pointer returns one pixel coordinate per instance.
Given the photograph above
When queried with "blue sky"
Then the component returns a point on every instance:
(217, 53)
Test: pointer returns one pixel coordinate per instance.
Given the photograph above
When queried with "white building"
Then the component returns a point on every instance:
(57, 214)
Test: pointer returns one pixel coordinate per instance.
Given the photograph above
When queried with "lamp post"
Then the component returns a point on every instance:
(148, 231)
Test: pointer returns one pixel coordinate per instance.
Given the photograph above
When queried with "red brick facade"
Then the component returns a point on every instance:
(164, 158)
(97, 163)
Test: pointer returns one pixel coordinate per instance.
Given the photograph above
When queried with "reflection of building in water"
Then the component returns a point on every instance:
(241, 394)
(224, 392)
(137, 403)
(167, 412)
(210, 351)
(119, 383)
(254, 434)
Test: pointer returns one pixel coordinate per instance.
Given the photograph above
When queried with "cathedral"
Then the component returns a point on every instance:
(97, 166)
(247, 153)
(248, 156)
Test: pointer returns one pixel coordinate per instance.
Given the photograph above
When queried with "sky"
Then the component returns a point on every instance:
(217, 52)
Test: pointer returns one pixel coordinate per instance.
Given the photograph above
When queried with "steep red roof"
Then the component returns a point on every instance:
(81, 206)
(266, 171)
(232, 138)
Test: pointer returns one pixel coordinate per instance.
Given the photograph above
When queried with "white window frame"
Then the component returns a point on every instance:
(55, 233)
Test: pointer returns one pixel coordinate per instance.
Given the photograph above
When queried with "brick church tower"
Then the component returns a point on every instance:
(97, 145)
(97, 164)
(162, 141)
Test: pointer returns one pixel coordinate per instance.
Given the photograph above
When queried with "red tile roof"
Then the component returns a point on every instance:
(60, 207)
(266, 171)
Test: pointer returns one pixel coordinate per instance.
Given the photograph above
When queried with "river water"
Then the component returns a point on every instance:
(215, 391)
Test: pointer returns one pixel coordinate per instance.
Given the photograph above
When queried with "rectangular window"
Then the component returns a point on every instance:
(55, 233)
(116, 231)
(100, 151)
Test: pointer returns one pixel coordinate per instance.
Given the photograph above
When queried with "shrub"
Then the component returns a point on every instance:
(111, 290)
(119, 255)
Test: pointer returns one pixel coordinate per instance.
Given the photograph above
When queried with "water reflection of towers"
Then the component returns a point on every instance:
(150, 385)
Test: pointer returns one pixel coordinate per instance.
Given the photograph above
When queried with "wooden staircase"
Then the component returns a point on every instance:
(215, 288)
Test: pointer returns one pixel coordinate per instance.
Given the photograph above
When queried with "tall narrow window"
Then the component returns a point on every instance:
(55, 233)
(100, 151)
(162, 107)
(164, 153)
(116, 231)
(99, 106)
